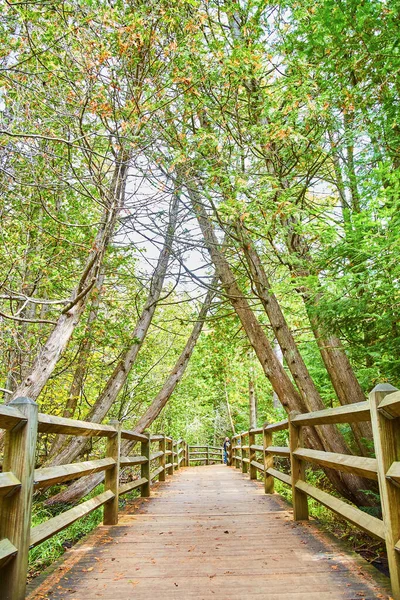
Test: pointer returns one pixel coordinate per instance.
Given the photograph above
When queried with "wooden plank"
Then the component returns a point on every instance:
(8, 483)
(350, 413)
(131, 461)
(394, 472)
(46, 530)
(298, 470)
(257, 448)
(7, 551)
(279, 475)
(131, 485)
(268, 462)
(386, 433)
(257, 430)
(211, 533)
(279, 426)
(357, 517)
(360, 465)
(390, 406)
(155, 473)
(134, 437)
(145, 467)
(257, 465)
(156, 455)
(111, 479)
(279, 450)
(156, 438)
(52, 424)
(15, 514)
(47, 476)
(10, 417)
(162, 444)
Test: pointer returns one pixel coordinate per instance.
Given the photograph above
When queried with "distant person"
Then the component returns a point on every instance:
(227, 443)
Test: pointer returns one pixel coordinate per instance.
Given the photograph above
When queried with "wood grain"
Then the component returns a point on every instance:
(210, 533)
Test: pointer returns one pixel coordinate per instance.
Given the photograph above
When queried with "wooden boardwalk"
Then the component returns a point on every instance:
(210, 532)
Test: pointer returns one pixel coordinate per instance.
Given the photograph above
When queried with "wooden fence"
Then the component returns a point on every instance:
(159, 455)
(206, 454)
(383, 410)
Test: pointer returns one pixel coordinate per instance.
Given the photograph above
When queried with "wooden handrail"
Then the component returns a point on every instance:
(22, 422)
(383, 410)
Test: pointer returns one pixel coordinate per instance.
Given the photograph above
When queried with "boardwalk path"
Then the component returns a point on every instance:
(207, 533)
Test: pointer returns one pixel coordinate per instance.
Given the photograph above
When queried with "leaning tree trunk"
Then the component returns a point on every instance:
(86, 484)
(121, 372)
(348, 485)
(337, 364)
(58, 339)
(80, 371)
(332, 439)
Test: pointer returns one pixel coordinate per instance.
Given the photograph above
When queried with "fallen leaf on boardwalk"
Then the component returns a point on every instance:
(132, 582)
(334, 567)
(87, 570)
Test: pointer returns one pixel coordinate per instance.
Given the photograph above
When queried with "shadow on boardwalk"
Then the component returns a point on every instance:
(207, 533)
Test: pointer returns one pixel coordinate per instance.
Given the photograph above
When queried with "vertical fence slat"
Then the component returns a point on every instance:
(386, 433)
(252, 455)
(16, 510)
(268, 461)
(145, 467)
(300, 501)
(111, 477)
(162, 461)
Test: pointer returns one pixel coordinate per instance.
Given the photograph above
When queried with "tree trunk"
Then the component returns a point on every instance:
(80, 371)
(348, 485)
(85, 485)
(58, 339)
(252, 394)
(332, 439)
(78, 444)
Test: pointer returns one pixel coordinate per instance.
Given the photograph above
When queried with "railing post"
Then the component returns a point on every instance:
(111, 479)
(145, 467)
(172, 468)
(237, 459)
(300, 502)
(177, 455)
(187, 454)
(244, 464)
(15, 518)
(386, 433)
(268, 461)
(252, 455)
(162, 461)
(230, 452)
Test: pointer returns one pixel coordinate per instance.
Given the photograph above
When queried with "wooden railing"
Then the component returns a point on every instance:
(383, 410)
(159, 455)
(206, 454)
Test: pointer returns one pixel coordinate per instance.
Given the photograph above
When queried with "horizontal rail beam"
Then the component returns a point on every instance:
(8, 483)
(46, 530)
(279, 475)
(7, 551)
(349, 413)
(279, 450)
(131, 485)
(366, 522)
(359, 465)
(11, 417)
(51, 475)
(131, 461)
(52, 424)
